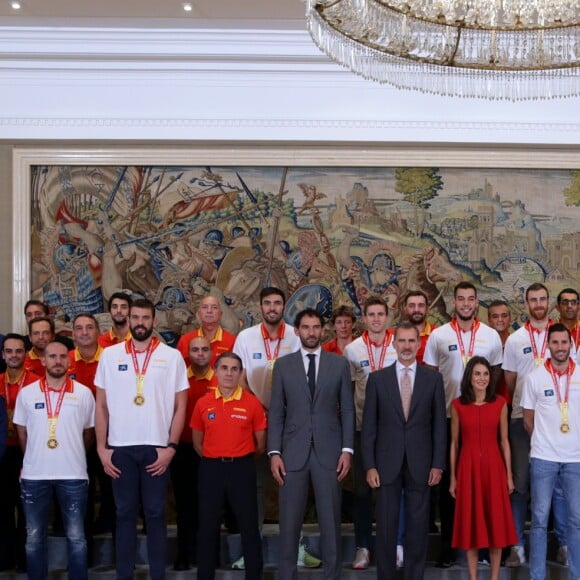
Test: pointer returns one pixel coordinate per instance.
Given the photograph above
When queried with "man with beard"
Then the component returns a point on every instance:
(403, 446)
(370, 352)
(551, 416)
(54, 418)
(41, 333)
(310, 439)
(525, 350)
(141, 402)
(185, 464)
(118, 307)
(210, 315)
(415, 311)
(12, 530)
(448, 350)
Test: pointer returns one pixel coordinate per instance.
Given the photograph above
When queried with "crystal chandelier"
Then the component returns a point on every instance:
(492, 49)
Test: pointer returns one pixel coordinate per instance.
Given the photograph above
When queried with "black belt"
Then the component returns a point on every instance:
(228, 459)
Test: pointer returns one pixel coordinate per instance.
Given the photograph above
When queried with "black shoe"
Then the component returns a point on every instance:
(181, 565)
(446, 559)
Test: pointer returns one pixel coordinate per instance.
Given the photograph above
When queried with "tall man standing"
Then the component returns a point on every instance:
(415, 309)
(403, 446)
(551, 415)
(54, 418)
(525, 350)
(372, 351)
(12, 530)
(118, 307)
(448, 350)
(141, 401)
(310, 438)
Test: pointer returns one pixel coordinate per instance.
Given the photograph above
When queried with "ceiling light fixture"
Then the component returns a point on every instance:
(492, 49)
(15, 5)
(187, 6)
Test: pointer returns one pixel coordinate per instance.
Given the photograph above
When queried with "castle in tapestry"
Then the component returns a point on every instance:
(326, 236)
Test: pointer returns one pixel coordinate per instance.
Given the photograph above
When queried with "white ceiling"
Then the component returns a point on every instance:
(152, 13)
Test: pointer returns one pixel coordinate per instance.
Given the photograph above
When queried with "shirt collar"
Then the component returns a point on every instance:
(207, 377)
(401, 367)
(236, 395)
(97, 355)
(316, 352)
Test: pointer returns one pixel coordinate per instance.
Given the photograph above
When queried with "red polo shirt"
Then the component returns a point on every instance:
(223, 341)
(10, 391)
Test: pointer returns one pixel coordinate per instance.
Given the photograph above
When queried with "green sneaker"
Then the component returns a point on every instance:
(306, 559)
(239, 564)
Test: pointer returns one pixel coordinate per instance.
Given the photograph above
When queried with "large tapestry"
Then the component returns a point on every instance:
(326, 236)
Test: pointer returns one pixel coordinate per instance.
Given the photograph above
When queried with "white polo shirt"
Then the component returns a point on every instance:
(442, 351)
(150, 423)
(250, 347)
(357, 355)
(518, 357)
(539, 394)
(77, 413)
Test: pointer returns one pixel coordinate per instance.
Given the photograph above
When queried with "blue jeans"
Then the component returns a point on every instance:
(135, 484)
(520, 450)
(544, 475)
(37, 500)
(560, 515)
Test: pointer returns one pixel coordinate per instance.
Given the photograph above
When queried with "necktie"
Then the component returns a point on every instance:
(311, 373)
(406, 392)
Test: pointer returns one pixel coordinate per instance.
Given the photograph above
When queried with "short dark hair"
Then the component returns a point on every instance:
(567, 291)
(86, 315)
(119, 296)
(406, 325)
(558, 327)
(143, 303)
(372, 301)
(467, 395)
(269, 291)
(14, 336)
(342, 310)
(464, 286)
(228, 355)
(42, 319)
(496, 303)
(42, 305)
(413, 293)
(311, 312)
(535, 287)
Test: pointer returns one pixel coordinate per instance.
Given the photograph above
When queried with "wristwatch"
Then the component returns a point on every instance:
(172, 445)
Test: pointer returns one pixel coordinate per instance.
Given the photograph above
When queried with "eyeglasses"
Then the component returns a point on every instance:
(566, 302)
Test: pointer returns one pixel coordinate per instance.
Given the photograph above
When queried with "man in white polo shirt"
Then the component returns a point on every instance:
(551, 415)
(141, 401)
(54, 419)
(448, 350)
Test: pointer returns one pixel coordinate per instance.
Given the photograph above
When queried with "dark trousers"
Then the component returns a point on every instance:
(235, 481)
(12, 525)
(416, 507)
(134, 484)
(184, 473)
(446, 502)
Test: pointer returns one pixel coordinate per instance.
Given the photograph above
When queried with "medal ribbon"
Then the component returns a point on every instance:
(542, 355)
(140, 374)
(53, 415)
(266, 338)
(370, 349)
(459, 332)
(576, 335)
(555, 374)
(9, 406)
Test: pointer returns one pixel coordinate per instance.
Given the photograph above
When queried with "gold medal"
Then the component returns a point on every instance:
(139, 400)
(565, 427)
(539, 361)
(465, 358)
(52, 443)
(271, 364)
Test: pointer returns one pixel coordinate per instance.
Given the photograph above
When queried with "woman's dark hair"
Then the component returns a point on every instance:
(467, 395)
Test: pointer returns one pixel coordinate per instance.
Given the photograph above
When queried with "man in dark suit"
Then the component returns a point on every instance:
(310, 437)
(403, 446)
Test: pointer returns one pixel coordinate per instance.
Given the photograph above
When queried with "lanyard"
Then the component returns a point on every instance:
(19, 380)
(538, 358)
(563, 404)
(370, 349)
(266, 338)
(140, 374)
(458, 332)
(52, 443)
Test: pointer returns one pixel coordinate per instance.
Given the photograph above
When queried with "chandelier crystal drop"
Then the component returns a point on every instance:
(493, 49)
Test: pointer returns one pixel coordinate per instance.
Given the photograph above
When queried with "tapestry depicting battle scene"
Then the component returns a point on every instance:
(326, 236)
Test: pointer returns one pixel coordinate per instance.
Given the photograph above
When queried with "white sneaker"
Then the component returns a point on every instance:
(306, 559)
(400, 557)
(362, 559)
(239, 564)
(516, 558)
(562, 555)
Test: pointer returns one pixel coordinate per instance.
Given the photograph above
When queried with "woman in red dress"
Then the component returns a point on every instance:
(480, 469)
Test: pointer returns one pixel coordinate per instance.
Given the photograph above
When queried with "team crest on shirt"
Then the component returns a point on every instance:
(73, 376)
(364, 363)
(527, 350)
(549, 393)
(452, 347)
(39, 405)
(211, 416)
(123, 367)
(257, 355)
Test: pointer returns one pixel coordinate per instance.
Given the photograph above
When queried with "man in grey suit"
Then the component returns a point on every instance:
(403, 445)
(310, 437)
